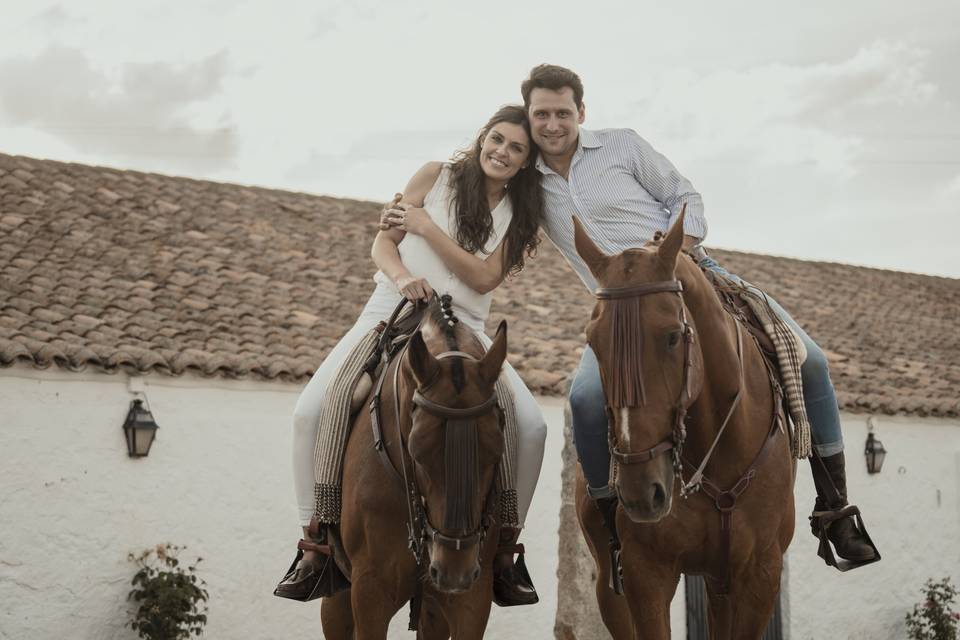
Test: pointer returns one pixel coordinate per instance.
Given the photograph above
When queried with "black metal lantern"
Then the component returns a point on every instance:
(874, 453)
(139, 429)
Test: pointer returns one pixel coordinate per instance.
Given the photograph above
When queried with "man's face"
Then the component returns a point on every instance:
(555, 121)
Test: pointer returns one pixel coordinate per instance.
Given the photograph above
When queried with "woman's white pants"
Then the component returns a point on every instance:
(306, 416)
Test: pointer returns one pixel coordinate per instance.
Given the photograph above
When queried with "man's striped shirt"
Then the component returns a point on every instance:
(622, 190)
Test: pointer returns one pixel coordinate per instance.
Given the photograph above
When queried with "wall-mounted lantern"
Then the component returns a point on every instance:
(139, 429)
(873, 450)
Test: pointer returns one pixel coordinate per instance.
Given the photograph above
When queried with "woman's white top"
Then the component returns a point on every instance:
(423, 262)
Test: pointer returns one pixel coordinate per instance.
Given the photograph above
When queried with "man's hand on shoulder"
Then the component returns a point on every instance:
(388, 219)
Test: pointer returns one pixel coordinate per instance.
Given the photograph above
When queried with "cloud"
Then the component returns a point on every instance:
(778, 114)
(54, 17)
(374, 165)
(140, 112)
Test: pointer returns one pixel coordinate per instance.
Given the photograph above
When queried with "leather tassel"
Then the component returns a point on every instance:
(462, 469)
(626, 345)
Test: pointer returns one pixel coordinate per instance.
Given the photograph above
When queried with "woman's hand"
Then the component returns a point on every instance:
(414, 288)
(408, 218)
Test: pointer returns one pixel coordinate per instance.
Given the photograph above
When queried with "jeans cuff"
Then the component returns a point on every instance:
(605, 491)
(829, 448)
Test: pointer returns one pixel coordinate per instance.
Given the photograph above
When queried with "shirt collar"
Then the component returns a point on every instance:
(586, 140)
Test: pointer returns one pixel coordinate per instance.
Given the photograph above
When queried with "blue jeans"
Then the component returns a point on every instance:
(589, 417)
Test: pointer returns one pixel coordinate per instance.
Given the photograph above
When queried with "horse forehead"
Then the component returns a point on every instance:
(633, 266)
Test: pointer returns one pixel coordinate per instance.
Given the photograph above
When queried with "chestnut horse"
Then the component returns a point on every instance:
(693, 409)
(439, 394)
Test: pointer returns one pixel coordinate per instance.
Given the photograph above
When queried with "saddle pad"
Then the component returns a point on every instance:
(790, 355)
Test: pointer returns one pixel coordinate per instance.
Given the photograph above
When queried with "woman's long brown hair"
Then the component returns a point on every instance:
(474, 219)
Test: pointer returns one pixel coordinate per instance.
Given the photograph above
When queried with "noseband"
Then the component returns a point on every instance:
(674, 442)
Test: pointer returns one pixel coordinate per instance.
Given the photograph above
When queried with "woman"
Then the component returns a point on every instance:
(461, 228)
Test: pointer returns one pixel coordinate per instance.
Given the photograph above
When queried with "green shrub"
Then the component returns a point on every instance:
(933, 618)
(171, 601)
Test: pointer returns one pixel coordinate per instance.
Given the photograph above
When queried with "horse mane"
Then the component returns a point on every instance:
(444, 321)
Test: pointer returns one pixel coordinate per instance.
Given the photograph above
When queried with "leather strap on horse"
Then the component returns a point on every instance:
(697, 477)
(726, 501)
(616, 293)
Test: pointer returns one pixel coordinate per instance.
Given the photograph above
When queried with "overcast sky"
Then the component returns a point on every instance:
(819, 130)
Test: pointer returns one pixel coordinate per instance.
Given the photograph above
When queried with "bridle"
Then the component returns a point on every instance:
(452, 413)
(674, 442)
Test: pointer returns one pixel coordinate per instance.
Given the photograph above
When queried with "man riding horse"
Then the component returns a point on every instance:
(624, 192)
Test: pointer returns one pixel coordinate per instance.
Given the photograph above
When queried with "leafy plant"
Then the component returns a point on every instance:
(934, 619)
(171, 600)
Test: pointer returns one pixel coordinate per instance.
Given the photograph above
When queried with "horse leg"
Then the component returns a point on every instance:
(613, 607)
(336, 617)
(432, 625)
(745, 612)
(373, 605)
(649, 584)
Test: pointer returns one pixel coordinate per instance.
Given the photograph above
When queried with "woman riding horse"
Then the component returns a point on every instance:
(460, 229)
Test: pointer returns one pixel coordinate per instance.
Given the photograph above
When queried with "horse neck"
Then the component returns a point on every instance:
(722, 379)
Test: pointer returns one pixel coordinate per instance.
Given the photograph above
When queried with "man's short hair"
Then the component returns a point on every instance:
(550, 76)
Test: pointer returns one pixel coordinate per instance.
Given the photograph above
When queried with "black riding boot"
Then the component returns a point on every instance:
(830, 479)
(608, 511)
(512, 585)
(318, 579)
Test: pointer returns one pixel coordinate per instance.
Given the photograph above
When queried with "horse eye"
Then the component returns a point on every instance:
(674, 338)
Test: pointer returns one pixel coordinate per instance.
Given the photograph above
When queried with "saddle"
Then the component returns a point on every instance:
(737, 307)
(394, 333)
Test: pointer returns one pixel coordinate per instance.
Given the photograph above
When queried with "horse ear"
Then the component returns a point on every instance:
(670, 247)
(422, 362)
(492, 361)
(596, 260)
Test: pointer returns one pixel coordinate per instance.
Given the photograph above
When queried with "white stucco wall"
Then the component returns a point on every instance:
(73, 505)
(912, 511)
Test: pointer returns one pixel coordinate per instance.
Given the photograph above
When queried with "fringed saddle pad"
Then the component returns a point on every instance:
(334, 431)
(789, 350)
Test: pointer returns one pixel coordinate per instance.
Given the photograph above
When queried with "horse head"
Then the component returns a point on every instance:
(650, 365)
(456, 441)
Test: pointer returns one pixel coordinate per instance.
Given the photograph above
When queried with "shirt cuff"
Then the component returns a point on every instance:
(694, 222)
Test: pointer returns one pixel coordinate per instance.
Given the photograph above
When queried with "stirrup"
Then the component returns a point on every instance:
(613, 543)
(322, 583)
(520, 574)
(616, 568)
(822, 520)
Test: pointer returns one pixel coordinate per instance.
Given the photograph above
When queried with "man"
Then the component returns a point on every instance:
(624, 191)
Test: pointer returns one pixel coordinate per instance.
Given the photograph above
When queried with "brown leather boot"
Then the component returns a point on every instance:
(512, 585)
(320, 578)
(830, 479)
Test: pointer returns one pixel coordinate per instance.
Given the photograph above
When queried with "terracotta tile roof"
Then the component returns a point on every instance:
(109, 270)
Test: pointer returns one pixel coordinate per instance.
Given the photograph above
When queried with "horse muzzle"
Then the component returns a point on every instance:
(450, 577)
(646, 494)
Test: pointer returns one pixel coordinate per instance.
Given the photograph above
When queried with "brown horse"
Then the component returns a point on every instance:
(439, 393)
(685, 393)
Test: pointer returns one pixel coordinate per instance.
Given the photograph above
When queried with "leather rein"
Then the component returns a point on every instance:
(419, 528)
(725, 501)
